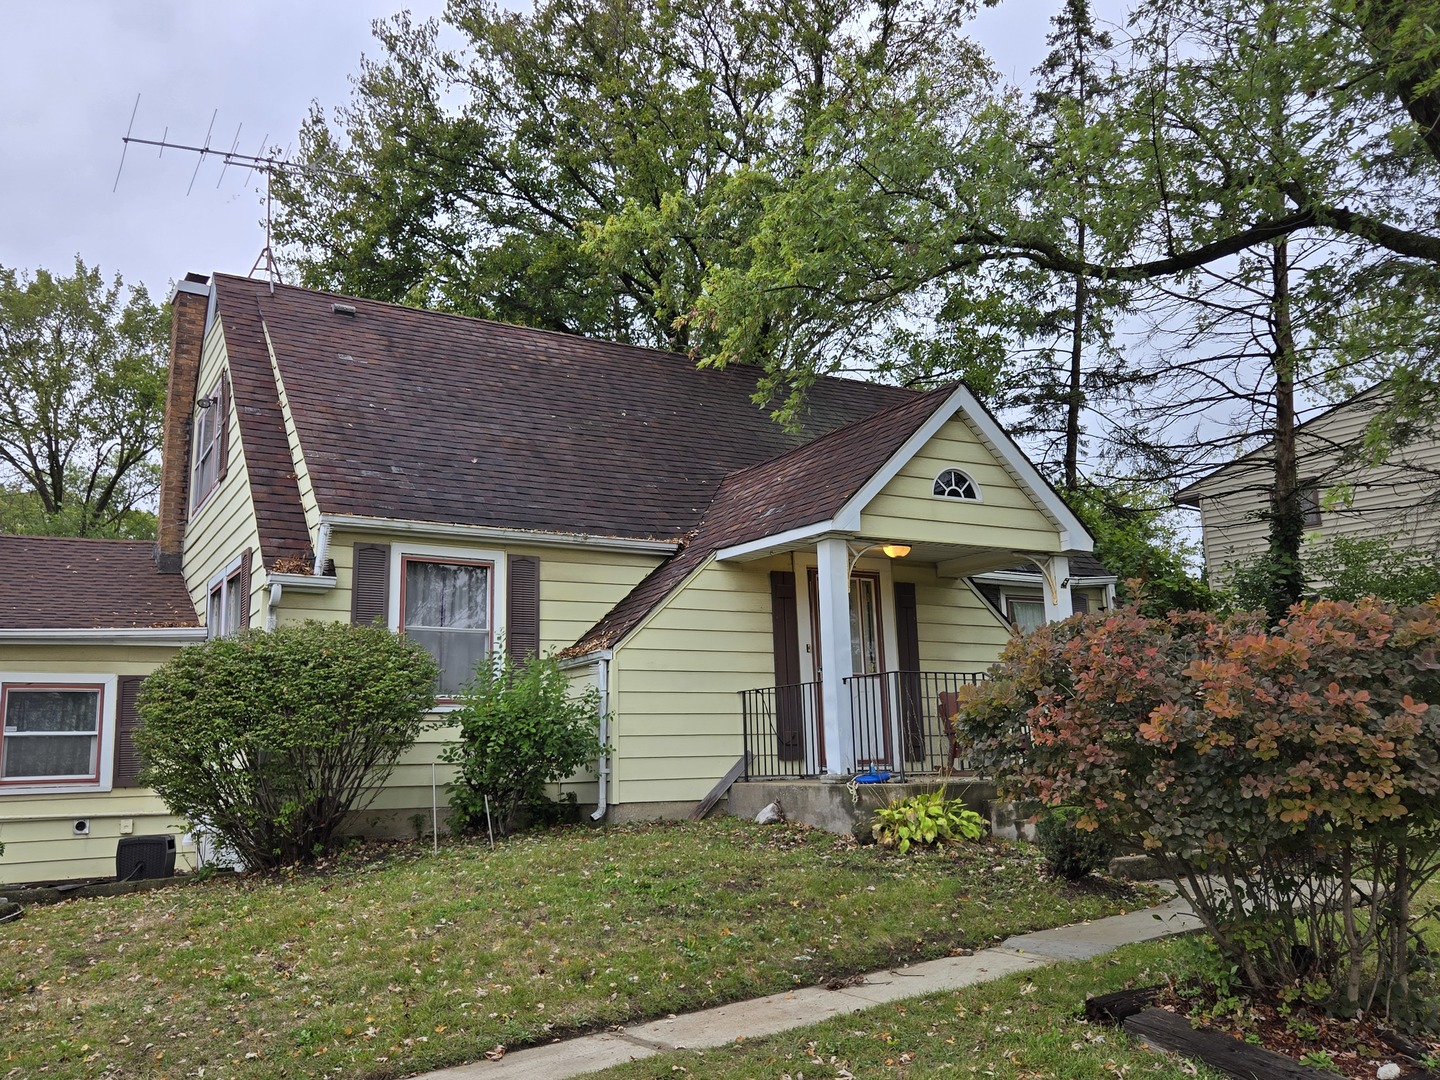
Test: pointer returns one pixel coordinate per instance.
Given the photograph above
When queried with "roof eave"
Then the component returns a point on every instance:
(156, 636)
(486, 533)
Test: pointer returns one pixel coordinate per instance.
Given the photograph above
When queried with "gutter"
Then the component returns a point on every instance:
(155, 636)
(311, 583)
(450, 530)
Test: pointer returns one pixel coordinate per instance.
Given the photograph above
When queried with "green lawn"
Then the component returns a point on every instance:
(397, 960)
(1026, 1027)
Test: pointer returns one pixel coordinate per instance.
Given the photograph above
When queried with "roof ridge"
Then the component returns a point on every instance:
(568, 335)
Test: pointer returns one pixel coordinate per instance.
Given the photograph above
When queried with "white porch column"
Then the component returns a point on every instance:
(833, 586)
(1056, 572)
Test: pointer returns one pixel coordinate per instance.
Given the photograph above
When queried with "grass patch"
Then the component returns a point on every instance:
(395, 961)
(1026, 1026)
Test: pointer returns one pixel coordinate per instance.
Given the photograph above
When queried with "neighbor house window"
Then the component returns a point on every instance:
(209, 423)
(50, 733)
(445, 606)
(1310, 502)
(954, 484)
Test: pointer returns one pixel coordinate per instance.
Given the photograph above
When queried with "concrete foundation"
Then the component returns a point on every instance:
(838, 807)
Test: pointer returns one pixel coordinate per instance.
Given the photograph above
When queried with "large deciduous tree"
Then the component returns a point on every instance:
(590, 166)
(82, 396)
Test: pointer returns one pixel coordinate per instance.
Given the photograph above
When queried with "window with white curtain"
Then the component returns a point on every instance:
(51, 733)
(446, 607)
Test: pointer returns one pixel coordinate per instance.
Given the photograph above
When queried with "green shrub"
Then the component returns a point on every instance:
(270, 740)
(1070, 852)
(520, 729)
(929, 819)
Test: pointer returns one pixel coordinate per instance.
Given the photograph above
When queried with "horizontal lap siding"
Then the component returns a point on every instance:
(1392, 499)
(906, 509)
(225, 524)
(957, 630)
(408, 791)
(676, 684)
(37, 830)
(577, 586)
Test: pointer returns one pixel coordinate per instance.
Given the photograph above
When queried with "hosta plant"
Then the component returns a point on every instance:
(928, 819)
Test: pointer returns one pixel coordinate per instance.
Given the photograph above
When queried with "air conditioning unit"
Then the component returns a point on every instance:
(141, 857)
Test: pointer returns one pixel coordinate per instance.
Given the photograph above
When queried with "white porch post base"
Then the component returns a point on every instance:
(1058, 605)
(833, 586)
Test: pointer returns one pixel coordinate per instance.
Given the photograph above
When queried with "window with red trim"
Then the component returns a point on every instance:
(223, 612)
(446, 606)
(50, 733)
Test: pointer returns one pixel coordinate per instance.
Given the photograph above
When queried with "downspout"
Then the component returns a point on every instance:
(275, 593)
(322, 549)
(602, 681)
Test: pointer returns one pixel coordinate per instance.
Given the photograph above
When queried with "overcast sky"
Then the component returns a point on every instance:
(70, 71)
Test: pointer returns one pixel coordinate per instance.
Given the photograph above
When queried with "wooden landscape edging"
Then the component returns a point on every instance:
(1223, 1053)
(1134, 1011)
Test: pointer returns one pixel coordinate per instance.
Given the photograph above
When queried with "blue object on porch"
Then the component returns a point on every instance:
(872, 777)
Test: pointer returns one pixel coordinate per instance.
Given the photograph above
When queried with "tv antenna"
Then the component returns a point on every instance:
(266, 163)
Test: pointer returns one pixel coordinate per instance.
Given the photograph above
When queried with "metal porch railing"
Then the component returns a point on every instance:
(900, 725)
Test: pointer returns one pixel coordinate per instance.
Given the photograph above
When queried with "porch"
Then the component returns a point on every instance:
(901, 723)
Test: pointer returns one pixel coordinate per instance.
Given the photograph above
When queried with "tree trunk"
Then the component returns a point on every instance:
(1076, 397)
(1286, 582)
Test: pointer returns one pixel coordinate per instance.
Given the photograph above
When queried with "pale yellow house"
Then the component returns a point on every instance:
(800, 603)
(1346, 495)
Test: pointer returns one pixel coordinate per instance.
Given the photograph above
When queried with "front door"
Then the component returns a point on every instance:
(869, 701)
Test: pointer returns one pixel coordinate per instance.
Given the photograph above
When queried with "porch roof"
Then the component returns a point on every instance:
(807, 486)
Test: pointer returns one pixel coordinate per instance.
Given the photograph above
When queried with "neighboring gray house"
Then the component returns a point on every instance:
(1397, 500)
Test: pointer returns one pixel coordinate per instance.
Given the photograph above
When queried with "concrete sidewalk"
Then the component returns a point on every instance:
(781, 1012)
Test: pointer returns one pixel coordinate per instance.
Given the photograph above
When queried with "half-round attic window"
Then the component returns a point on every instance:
(954, 484)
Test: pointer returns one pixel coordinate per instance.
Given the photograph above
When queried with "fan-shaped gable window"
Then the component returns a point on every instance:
(954, 484)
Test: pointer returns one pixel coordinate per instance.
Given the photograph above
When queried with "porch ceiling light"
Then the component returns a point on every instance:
(895, 551)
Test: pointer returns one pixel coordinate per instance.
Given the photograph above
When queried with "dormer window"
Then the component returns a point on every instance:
(208, 444)
(954, 484)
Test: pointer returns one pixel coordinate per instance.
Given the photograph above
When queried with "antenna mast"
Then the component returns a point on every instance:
(266, 163)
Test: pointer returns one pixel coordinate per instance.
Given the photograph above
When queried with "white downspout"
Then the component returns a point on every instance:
(602, 681)
(322, 549)
(275, 593)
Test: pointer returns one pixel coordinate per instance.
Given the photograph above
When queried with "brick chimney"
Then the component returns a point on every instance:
(187, 336)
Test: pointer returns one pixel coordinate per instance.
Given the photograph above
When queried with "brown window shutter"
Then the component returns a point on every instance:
(522, 606)
(222, 429)
(789, 699)
(370, 584)
(127, 722)
(907, 647)
(242, 582)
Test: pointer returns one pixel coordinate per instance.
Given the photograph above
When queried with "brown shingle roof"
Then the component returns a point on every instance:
(59, 583)
(424, 416)
(806, 486)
